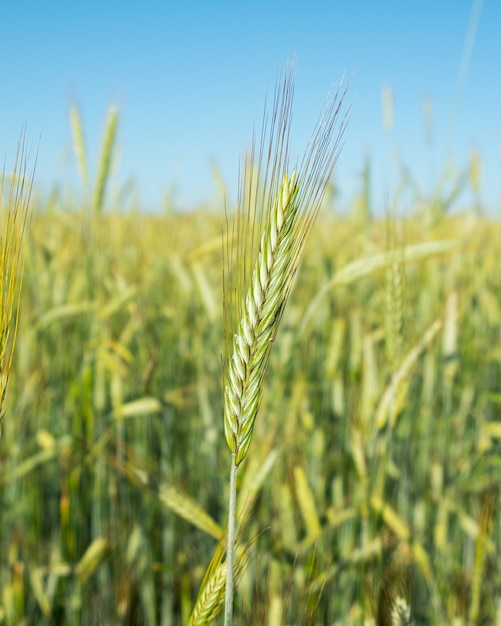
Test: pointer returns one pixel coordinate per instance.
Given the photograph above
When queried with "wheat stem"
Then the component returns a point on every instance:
(230, 551)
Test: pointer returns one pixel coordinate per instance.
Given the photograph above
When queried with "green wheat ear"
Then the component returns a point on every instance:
(14, 215)
(263, 309)
(278, 207)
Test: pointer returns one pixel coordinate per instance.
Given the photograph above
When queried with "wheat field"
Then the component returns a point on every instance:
(369, 493)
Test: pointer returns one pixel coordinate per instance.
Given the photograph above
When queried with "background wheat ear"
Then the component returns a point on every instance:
(105, 160)
(211, 596)
(14, 215)
(277, 208)
(79, 143)
(108, 150)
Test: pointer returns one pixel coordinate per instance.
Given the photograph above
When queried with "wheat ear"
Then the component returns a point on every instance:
(79, 143)
(211, 596)
(210, 602)
(107, 153)
(264, 305)
(278, 207)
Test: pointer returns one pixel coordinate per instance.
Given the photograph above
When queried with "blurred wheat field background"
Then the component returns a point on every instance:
(372, 482)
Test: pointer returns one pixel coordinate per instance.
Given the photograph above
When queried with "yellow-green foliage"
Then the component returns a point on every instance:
(15, 195)
(377, 442)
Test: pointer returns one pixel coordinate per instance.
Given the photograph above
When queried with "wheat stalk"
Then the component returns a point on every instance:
(278, 207)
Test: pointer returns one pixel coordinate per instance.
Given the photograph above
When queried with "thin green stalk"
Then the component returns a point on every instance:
(230, 552)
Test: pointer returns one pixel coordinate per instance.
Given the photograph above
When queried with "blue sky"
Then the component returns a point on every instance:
(190, 79)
